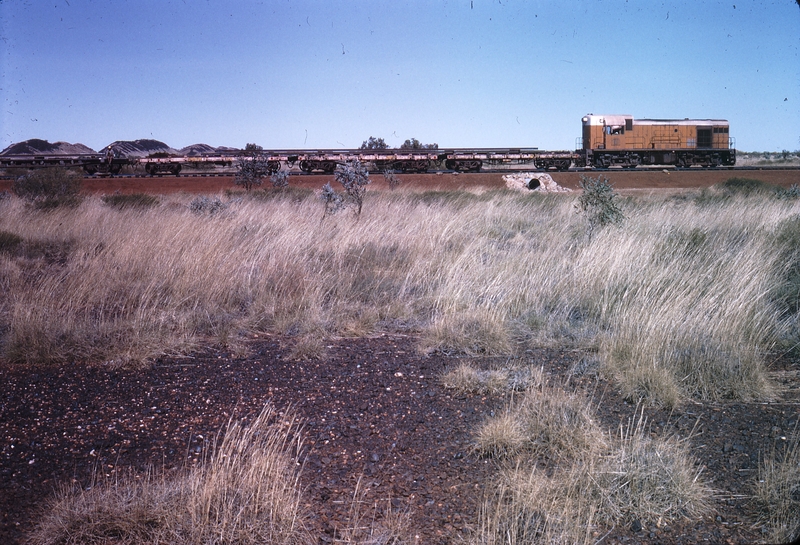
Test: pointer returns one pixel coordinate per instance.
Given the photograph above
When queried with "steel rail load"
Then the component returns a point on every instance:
(607, 141)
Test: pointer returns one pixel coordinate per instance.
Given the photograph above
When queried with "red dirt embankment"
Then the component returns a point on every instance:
(624, 181)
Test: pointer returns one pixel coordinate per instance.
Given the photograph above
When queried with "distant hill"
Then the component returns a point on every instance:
(201, 149)
(36, 146)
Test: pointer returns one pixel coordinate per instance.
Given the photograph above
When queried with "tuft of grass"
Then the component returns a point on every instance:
(559, 424)
(308, 346)
(466, 379)
(501, 436)
(134, 200)
(376, 526)
(247, 491)
(650, 479)
(777, 490)
(631, 477)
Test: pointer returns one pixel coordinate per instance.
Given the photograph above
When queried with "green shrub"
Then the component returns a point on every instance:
(50, 187)
(793, 192)
(205, 205)
(747, 186)
(135, 200)
(280, 179)
(354, 177)
(598, 203)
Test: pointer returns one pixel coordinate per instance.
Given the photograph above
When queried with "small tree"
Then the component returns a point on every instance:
(374, 143)
(597, 203)
(250, 171)
(354, 177)
(333, 201)
(391, 179)
(413, 143)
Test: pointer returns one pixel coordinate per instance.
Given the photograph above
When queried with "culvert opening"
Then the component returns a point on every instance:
(533, 183)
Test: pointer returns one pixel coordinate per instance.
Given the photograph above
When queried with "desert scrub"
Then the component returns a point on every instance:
(49, 188)
(246, 491)
(598, 203)
(683, 289)
(206, 205)
(134, 200)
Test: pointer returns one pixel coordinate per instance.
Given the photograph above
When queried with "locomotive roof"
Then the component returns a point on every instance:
(619, 120)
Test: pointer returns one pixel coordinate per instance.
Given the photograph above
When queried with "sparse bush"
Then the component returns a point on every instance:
(790, 193)
(49, 188)
(246, 491)
(135, 200)
(354, 177)
(205, 205)
(391, 179)
(747, 187)
(279, 179)
(250, 171)
(598, 203)
(394, 527)
(332, 200)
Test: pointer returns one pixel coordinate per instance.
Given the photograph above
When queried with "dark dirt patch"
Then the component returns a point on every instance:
(374, 408)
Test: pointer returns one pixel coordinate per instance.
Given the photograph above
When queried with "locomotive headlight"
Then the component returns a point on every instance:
(585, 119)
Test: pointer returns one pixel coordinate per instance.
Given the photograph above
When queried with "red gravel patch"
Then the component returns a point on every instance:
(373, 408)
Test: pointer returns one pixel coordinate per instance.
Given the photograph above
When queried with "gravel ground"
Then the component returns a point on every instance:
(373, 409)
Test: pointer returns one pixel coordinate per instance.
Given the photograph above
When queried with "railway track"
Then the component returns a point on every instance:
(441, 172)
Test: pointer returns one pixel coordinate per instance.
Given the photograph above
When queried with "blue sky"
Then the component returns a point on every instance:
(329, 74)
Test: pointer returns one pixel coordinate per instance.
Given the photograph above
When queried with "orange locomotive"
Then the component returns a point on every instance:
(621, 140)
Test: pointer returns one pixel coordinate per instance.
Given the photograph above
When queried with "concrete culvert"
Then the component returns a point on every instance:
(541, 182)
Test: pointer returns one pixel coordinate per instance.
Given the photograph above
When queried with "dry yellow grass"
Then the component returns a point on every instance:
(677, 300)
(600, 480)
(247, 491)
(777, 490)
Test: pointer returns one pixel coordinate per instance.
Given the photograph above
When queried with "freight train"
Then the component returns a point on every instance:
(607, 141)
